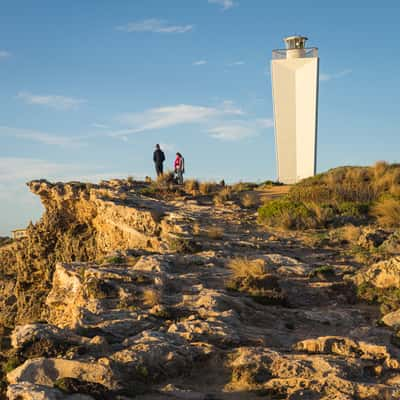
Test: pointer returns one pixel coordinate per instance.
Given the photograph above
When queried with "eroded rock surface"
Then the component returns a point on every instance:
(115, 295)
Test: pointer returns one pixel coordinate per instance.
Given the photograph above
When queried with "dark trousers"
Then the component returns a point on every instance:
(159, 169)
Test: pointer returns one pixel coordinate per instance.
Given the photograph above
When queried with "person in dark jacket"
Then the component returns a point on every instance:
(158, 158)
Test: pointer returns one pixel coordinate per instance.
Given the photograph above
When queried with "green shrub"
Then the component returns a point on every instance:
(353, 209)
(389, 298)
(114, 260)
(12, 363)
(285, 213)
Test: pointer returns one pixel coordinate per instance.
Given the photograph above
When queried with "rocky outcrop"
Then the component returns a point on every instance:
(82, 222)
(118, 296)
(382, 275)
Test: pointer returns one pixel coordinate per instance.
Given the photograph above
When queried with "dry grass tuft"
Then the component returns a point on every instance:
(241, 187)
(350, 233)
(215, 233)
(165, 179)
(224, 195)
(387, 212)
(196, 229)
(206, 187)
(250, 200)
(242, 267)
(380, 168)
(192, 186)
(151, 297)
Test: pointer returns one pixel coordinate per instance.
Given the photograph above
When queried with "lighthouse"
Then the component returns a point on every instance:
(295, 75)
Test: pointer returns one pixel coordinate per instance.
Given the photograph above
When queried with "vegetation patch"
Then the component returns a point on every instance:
(252, 278)
(387, 212)
(389, 298)
(182, 245)
(11, 363)
(224, 195)
(323, 272)
(285, 213)
(73, 386)
(249, 200)
(98, 289)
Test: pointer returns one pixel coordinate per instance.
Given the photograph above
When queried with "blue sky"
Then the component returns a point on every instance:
(88, 87)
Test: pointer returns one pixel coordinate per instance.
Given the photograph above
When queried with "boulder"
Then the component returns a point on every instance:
(392, 319)
(24, 335)
(29, 391)
(46, 371)
(382, 275)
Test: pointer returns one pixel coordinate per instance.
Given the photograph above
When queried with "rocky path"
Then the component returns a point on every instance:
(160, 324)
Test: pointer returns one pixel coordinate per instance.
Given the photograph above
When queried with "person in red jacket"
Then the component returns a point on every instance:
(179, 167)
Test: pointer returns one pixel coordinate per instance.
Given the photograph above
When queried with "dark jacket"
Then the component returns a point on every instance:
(158, 157)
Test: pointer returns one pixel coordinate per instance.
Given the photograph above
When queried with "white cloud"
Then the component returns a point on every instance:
(238, 130)
(4, 54)
(42, 137)
(231, 132)
(328, 77)
(200, 62)
(224, 122)
(164, 117)
(228, 107)
(236, 64)
(52, 101)
(226, 4)
(154, 25)
(100, 126)
(168, 147)
(265, 123)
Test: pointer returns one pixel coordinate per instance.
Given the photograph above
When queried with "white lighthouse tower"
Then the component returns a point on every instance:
(295, 74)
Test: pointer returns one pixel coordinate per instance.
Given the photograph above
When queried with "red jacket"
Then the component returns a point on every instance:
(178, 164)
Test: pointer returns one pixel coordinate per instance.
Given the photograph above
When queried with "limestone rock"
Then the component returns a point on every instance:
(27, 334)
(28, 391)
(45, 371)
(372, 238)
(157, 353)
(392, 319)
(346, 347)
(383, 275)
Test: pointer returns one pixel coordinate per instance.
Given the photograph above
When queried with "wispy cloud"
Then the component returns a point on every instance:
(200, 62)
(154, 25)
(43, 137)
(168, 147)
(236, 64)
(226, 4)
(164, 117)
(52, 101)
(226, 121)
(337, 75)
(239, 129)
(100, 126)
(4, 54)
